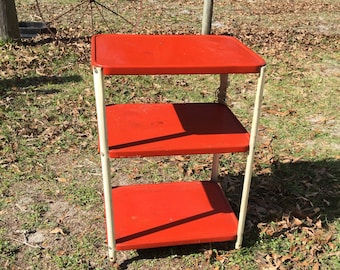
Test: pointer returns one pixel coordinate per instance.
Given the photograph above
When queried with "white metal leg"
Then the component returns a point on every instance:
(250, 159)
(105, 161)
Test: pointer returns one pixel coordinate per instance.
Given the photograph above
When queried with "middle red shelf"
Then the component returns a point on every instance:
(173, 129)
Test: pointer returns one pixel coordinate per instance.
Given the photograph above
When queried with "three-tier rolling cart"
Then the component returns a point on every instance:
(166, 214)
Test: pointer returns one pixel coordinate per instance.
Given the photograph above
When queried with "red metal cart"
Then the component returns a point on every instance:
(153, 215)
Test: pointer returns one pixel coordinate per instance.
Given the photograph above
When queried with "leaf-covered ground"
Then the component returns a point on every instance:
(51, 209)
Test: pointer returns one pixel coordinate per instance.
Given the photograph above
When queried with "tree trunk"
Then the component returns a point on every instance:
(9, 27)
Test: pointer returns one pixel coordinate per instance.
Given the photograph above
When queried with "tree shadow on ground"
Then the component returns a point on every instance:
(46, 39)
(303, 190)
(14, 86)
(175, 252)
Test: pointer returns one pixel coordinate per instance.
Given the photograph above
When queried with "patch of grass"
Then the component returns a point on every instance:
(330, 257)
(33, 217)
(243, 258)
(8, 249)
(308, 126)
(85, 196)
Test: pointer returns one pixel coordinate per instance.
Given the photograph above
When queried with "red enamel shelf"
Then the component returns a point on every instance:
(173, 129)
(168, 214)
(172, 54)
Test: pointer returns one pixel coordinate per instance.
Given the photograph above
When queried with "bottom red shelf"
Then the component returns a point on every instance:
(168, 214)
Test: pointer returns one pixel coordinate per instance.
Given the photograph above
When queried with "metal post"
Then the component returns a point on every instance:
(215, 166)
(250, 159)
(105, 161)
(221, 98)
(207, 16)
(222, 90)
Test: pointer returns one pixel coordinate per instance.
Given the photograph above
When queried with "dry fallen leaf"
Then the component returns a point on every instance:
(318, 224)
(57, 231)
(316, 266)
(62, 180)
(60, 252)
(297, 222)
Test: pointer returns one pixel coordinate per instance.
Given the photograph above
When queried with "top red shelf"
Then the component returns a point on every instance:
(120, 54)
